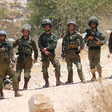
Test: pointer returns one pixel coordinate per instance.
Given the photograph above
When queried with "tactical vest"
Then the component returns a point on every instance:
(25, 46)
(4, 51)
(91, 43)
(47, 40)
(72, 41)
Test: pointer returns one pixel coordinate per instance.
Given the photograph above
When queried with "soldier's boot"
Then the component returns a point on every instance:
(100, 76)
(70, 78)
(25, 85)
(46, 83)
(69, 81)
(94, 77)
(58, 82)
(16, 93)
(1, 94)
(81, 76)
(83, 81)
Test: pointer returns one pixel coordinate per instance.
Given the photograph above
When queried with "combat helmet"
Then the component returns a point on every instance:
(93, 19)
(26, 27)
(3, 32)
(71, 21)
(47, 22)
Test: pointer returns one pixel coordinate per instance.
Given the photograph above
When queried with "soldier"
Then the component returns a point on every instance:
(94, 40)
(47, 43)
(72, 45)
(26, 45)
(6, 58)
(110, 45)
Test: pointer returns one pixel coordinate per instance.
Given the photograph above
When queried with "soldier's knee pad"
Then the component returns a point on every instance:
(79, 66)
(16, 77)
(27, 73)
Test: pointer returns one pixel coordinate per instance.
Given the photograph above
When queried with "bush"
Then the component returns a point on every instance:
(59, 11)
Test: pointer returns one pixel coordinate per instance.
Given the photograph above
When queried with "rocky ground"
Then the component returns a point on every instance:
(12, 15)
(76, 97)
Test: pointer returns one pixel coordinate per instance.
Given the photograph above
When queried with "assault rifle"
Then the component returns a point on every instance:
(63, 53)
(91, 33)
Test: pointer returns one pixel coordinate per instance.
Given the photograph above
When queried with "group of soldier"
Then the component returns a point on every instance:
(72, 45)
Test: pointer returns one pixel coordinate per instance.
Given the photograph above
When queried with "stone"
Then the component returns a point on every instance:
(40, 103)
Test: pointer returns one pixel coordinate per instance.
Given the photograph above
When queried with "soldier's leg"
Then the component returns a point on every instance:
(27, 70)
(2, 76)
(27, 77)
(70, 72)
(1, 87)
(79, 68)
(14, 76)
(91, 55)
(80, 73)
(18, 71)
(45, 65)
(56, 65)
(97, 63)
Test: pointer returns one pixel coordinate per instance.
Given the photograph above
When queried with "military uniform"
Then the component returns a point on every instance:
(94, 50)
(110, 43)
(24, 59)
(71, 42)
(6, 57)
(49, 42)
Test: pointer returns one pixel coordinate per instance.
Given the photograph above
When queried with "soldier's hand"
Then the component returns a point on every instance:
(34, 61)
(44, 50)
(98, 43)
(108, 56)
(47, 53)
(90, 38)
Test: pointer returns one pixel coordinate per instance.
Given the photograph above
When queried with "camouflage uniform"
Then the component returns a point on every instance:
(110, 43)
(49, 42)
(94, 50)
(6, 57)
(24, 59)
(71, 44)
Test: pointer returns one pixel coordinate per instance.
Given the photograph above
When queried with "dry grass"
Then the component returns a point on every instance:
(103, 101)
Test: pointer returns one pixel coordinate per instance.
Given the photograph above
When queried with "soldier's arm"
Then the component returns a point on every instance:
(35, 50)
(81, 42)
(102, 39)
(16, 43)
(53, 44)
(11, 54)
(110, 43)
(40, 43)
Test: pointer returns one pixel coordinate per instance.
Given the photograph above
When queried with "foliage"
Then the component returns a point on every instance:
(59, 11)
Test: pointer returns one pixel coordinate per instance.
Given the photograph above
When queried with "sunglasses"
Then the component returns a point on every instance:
(2, 35)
